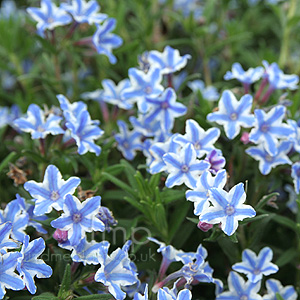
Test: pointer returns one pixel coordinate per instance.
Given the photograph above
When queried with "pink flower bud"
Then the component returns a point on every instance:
(60, 235)
(204, 226)
(245, 138)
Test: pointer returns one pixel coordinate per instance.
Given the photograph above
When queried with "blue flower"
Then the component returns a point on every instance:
(29, 265)
(38, 124)
(208, 93)
(269, 128)
(274, 286)
(79, 218)
(200, 195)
(188, 7)
(233, 114)
(105, 41)
(74, 108)
(9, 115)
(296, 176)
(86, 252)
(115, 271)
(18, 218)
(106, 216)
(184, 167)
(217, 161)
(158, 150)
(295, 137)
(228, 208)
(128, 141)
(169, 61)
(167, 294)
(165, 109)
(292, 202)
(138, 296)
(50, 193)
(256, 266)
(246, 77)
(143, 85)
(277, 79)
(5, 241)
(48, 16)
(147, 129)
(240, 290)
(111, 93)
(8, 278)
(201, 140)
(84, 12)
(267, 161)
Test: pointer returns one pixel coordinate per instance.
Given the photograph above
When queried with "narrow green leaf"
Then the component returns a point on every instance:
(96, 297)
(255, 219)
(286, 257)
(193, 220)
(66, 282)
(233, 238)
(215, 235)
(263, 201)
(45, 296)
(7, 160)
(279, 297)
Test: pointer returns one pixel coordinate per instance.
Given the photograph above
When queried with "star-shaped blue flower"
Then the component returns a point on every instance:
(167, 294)
(200, 195)
(169, 61)
(128, 141)
(184, 167)
(115, 271)
(296, 176)
(143, 85)
(240, 290)
(228, 208)
(5, 241)
(201, 140)
(295, 137)
(105, 41)
(38, 124)
(74, 108)
(79, 218)
(85, 12)
(274, 286)
(165, 109)
(266, 161)
(209, 93)
(48, 16)
(8, 278)
(29, 265)
(256, 266)
(246, 77)
(233, 114)
(269, 128)
(50, 193)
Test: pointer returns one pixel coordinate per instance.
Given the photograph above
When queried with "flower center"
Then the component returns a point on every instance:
(54, 195)
(40, 129)
(76, 217)
(244, 297)
(268, 157)
(164, 105)
(126, 145)
(264, 128)
(197, 146)
(233, 116)
(50, 20)
(256, 271)
(229, 210)
(184, 168)
(148, 90)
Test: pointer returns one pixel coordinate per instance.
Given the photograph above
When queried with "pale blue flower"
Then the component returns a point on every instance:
(138, 296)
(169, 61)
(228, 208)
(143, 85)
(84, 12)
(147, 129)
(233, 114)
(79, 218)
(269, 128)
(115, 271)
(158, 150)
(18, 218)
(256, 266)
(8, 278)
(48, 16)
(292, 202)
(240, 290)
(217, 161)
(209, 93)
(296, 176)
(267, 161)
(106, 216)
(165, 109)
(184, 167)
(274, 286)
(105, 41)
(246, 77)
(167, 294)
(74, 108)
(111, 93)
(128, 141)
(277, 79)
(5, 241)
(29, 265)
(50, 193)
(200, 195)
(295, 136)
(188, 7)
(201, 140)
(9, 115)
(38, 124)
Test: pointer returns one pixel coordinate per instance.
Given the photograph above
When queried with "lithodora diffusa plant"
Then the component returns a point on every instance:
(150, 149)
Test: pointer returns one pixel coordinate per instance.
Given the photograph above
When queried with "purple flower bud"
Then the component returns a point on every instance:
(216, 160)
(60, 235)
(106, 216)
(204, 226)
(245, 138)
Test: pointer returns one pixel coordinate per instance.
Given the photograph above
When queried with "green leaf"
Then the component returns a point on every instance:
(286, 257)
(233, 238)
(193, 220)
(279, 297)
(7, 160)
(256, 218)
(215, 235)
(66, 282)
(263, 201)
(45, 296)
(96, 297)
(285, 221)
